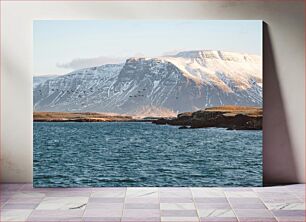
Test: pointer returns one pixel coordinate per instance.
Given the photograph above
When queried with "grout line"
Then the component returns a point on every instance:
(30, 215)
(91, 191)
(194, 203)
(123, 207)
(298, 197)
(23, 186)
(158, 197)
(32, 210)
(265, 205)
(231, 205)
(5, 202)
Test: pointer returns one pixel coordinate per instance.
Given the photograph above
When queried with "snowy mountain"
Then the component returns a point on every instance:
(187, 81)
(40, 79)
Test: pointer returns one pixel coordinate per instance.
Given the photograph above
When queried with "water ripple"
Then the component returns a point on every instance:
(144, 154)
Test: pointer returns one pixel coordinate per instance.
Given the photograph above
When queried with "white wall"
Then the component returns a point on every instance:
(284, 77)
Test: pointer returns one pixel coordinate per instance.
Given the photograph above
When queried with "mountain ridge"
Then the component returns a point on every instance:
(187, 81)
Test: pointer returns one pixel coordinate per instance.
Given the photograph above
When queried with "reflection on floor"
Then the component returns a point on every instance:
(20, 202)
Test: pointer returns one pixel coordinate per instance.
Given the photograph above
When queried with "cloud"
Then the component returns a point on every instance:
(80, 63)
(172, 52)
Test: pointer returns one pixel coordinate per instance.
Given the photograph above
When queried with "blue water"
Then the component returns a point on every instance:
(144, 154)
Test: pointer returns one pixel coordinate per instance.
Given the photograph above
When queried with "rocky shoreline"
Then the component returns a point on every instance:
(84, 117)
(229, 117)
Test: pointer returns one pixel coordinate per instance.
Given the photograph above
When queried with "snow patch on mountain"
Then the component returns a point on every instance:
(41, 79)
(186, 81)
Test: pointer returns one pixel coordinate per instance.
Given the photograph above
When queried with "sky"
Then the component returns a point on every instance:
(61, 46)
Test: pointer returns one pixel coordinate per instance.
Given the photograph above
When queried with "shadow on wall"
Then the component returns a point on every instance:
(278, 160)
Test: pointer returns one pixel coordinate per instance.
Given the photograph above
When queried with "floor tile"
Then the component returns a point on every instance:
(24, 200)
(14, 214)
(296, 186)
(175, 192)
(267, 204)
(141, 206)
(101, 219)
(135, 192)
(254, 219)
(218, 219)
(207, 192)
(109, 192)
(238, 189)
(289, 213)
(216, 213)
(300, 195)
(143, 213)
(55, 219)
(140, 219)
(277, 189)
(68, 193)
(280, 200)
(56, 214)
(248, 200)
(27, 186)
(291, 219)
(142, 200)
(285, 206)
(253, 213)
(278, 197)
(97, 189)
(3, 200)
(230, 194)
(60, 189)
(176, 200)
(177, 206)
(10, 186)
(210, 200)
(213, 205)
(248, 206)
(91, 205)
(179, 213)
(20, 206)
(105, 200)
(2, 204)
(62, 203)
(25, 195)
(103, 212)
(174, 189)
(179, 219)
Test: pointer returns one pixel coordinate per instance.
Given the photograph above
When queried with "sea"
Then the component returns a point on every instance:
(142, 154)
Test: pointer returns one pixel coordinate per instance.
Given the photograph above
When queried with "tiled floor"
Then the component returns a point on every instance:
(20, 202)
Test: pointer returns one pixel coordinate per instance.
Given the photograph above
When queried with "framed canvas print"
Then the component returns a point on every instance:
(147, 103)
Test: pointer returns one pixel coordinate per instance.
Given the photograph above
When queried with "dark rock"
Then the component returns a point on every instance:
(183, 127)
(161, 121)
(230, 117)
